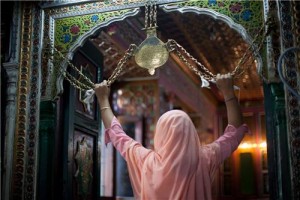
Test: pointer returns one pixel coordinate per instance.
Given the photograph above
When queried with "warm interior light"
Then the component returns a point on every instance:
(263, 145)
(247, 145)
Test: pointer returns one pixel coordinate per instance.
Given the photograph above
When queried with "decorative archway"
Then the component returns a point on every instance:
(50, 20)
(69, 29)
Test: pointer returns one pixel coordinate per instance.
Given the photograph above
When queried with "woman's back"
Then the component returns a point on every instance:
(178, 168)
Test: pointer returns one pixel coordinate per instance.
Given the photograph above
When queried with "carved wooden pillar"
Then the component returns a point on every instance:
(289, 30)
(10, 119)
(277, 137)
(46, 150)
(282, 108)
(25, 146)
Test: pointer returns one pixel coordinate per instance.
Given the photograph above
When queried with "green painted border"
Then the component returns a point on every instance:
(248, 14)
(69, 30)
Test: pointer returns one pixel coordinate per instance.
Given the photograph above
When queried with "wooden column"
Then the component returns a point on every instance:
(277, 142)
(47, 127)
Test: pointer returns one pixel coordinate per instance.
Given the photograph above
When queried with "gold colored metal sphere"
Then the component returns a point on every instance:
(152, 52)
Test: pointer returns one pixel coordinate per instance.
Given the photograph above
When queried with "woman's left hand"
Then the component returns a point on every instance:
(225, 83)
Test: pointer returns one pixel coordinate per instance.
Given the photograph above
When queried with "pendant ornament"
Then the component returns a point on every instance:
(152, 52)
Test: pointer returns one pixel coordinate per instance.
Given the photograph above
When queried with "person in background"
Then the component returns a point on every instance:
(178, 167)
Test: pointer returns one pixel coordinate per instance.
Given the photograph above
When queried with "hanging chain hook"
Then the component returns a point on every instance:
(150, 15)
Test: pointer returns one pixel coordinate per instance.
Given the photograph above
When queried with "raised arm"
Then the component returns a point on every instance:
(102, 92)
(235, 131)
(234, 114)
(114, 132)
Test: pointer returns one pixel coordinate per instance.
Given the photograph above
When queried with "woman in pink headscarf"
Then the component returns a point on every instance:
(178, 167)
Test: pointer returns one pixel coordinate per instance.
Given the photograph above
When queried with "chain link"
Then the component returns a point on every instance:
(146, 15)
(151, 14)
(128, 54)
(90, 85)
(154, 15)
(71, 79)
(246, 56)
(177, 49)
(173, 46)
(75, 83)
(89, 82)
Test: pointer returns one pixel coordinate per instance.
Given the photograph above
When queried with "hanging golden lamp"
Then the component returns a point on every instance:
(152, 52)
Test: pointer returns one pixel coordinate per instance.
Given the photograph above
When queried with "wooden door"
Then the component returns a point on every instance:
(81, 147)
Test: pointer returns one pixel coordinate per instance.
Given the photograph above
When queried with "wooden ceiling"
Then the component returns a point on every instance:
(212, 42)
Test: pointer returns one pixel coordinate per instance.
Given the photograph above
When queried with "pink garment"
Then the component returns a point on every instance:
(178, 167)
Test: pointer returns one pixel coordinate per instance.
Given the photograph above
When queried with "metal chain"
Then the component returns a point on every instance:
(193, 68)
(89, 82)
(238, 70)
(151, 14)
(74, 82)
(177, 48)
(90, 85)
(128, 54)
(146, 15)
(173, 46)
(154, 15)
(246, 56)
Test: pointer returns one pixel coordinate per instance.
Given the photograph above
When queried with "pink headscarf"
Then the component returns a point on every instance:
(178, 168)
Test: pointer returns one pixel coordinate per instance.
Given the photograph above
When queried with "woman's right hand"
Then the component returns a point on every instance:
(102, 90)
